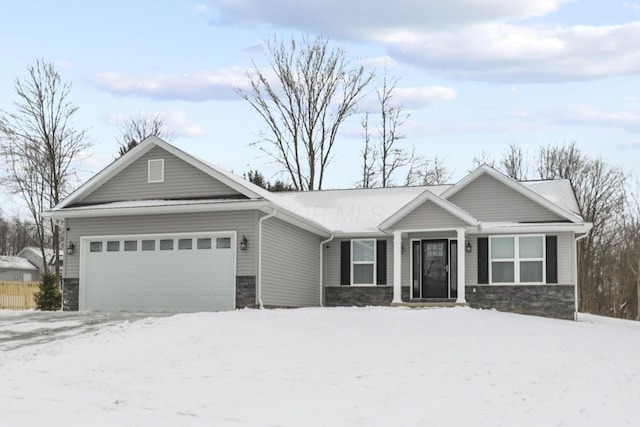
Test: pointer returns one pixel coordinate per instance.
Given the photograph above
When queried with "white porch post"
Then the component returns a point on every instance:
(397, 267)
(461, 262)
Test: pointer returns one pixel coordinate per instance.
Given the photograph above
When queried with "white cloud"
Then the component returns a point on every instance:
(202, 8)
(487, 40)
(363, 18)
(417, 97)
(192, 87)
(507, 53)
(411, 98)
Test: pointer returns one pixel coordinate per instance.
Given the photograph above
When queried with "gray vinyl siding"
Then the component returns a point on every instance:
(181, 180)
(242, 222)
(429, 215)
(566, 249)
(290, 265)
(487, 199)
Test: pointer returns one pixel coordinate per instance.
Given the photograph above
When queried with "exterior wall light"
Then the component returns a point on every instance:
(468, 247)
(244, 244)
(71, 248)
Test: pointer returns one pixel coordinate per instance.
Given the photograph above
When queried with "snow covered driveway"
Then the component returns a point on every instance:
(330, 367)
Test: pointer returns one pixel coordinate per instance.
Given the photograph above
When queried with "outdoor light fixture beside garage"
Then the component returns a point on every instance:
(468, 247)
(71, 248)
(244, 243)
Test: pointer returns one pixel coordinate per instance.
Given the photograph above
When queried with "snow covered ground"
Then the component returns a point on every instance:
(330, 367)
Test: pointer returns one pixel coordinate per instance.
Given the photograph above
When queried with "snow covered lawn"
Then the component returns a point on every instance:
(330, 367)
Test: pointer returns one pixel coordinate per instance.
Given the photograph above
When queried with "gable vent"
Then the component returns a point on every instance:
(156, 170)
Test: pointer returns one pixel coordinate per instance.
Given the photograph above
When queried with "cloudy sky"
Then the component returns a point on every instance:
(473, 74)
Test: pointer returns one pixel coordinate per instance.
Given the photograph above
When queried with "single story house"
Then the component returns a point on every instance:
(15, 268)
(160, 230)
(34, 256)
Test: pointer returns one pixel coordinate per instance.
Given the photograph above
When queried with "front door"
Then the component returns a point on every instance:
(435, 277)
(431, 269)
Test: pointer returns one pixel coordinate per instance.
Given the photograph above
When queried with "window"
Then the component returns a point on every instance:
(223, 242)
(148, 245)
(155, 171)
(166, 245)
(363, 261)
(185, 243)
(517, 259)
(130, 245)
(95, 247)
(113, 246)
(204, 243)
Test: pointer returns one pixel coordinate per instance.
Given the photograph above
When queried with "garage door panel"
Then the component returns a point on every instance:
(196, 279)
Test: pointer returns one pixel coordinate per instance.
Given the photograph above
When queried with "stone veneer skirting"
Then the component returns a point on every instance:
(70, 294)
(540, 300)
(245, 293)
(361, 296)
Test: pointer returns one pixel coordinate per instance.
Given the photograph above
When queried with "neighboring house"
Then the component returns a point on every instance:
(34, 256)
(14, 268)
(160, 230)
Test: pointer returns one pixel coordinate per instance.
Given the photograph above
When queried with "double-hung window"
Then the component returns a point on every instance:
(363, 262)
(517, 259)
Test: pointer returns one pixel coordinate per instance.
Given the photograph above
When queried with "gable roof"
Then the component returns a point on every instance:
(240, 185)
(16, 263)
(351, 211)
(525, 190)
(324, 212)
(428, 196)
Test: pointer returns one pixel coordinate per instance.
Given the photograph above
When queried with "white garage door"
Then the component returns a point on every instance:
(176, 273)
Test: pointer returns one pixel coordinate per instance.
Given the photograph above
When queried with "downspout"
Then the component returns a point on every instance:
(259, 281)
(575, 269)
(322, 264)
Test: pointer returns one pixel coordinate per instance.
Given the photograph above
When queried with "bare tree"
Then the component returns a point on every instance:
(369, 156)
(313, 91)
(483, 158)
(40, 146)
(392, 116)
(600, 192)
(514, 164)
(424, 171)
(134, 129)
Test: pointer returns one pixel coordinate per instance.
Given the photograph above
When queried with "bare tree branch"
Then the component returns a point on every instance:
(40, 147)
(314, 90)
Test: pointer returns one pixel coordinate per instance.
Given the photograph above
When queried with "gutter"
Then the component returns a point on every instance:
(259, 281)
(324, 242)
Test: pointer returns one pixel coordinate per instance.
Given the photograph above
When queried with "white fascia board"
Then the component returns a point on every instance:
(487, 228)
(514, 185)
(155, 210)
(427, 195)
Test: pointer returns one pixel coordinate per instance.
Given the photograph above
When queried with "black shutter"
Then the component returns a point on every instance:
(345, 263)
(483, 260)
(381, 262)
(552, 259)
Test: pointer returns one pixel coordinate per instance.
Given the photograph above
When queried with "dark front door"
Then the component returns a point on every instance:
(435, 277)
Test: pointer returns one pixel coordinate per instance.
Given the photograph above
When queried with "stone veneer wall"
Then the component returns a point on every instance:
(540, 300)
(245, 293)
(361, 296)
(70, 294)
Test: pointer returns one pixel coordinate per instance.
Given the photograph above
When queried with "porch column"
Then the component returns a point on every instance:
(397, 267)
(461, 262)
